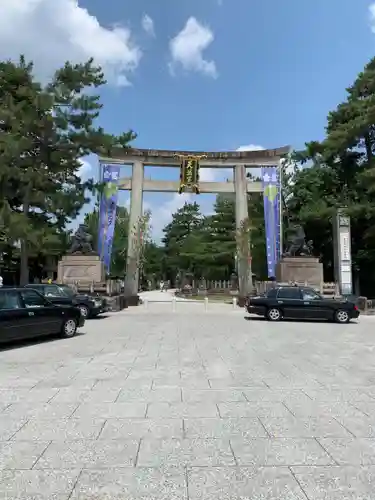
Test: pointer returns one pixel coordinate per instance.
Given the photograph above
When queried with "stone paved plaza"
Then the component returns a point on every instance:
(154, 404)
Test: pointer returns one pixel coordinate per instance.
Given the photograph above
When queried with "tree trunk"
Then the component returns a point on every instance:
(368, 149)
(24, 259)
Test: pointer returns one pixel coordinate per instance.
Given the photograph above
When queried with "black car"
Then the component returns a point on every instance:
(25, 313)
(62, 294)
(297, 302)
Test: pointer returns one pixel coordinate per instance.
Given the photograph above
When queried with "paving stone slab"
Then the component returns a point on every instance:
(337, 393)
(367, 407)
(89, 454)
(358, 425)
(278, 452)
(9, 396)
(350, 451)
(161, 378)
(132, 484)
(111, 410)
(336, 483)
(182, 452)
(10, 426)
(304, 427)
(253, 409)
(40, 395)
(142, 428)
(188, 383)
(233, 383)
(60, 429)
(223, 428)
(243, 483)
(182, 410)
(317, 409)
(168, 394)
(216, 396)
(21, 454)
(40, 410)
(265, 394)
(37, 484)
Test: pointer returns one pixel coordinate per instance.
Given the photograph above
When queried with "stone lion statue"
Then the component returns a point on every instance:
(82, 241)
(297, 245)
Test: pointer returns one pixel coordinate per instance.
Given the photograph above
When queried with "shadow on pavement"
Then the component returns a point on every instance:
(19, 344)
(255, 318)
(302, 320)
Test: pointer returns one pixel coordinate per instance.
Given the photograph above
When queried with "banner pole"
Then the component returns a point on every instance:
(281, 207)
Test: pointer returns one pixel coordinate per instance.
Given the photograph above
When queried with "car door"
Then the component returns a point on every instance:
(15, 321)
(47, 317)
(312, 304)
(316, 307)
(290, 301)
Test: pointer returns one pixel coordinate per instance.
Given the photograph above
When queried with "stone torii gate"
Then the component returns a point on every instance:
(240, 186)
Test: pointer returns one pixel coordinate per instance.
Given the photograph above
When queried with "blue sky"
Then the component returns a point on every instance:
(203, 75)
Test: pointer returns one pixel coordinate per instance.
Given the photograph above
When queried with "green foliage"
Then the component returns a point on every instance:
(221, 238)
(149, 256)
(182, 241)
(44, 131)
(120, 240)
(257, 236)
(206, 246)
(342, 175)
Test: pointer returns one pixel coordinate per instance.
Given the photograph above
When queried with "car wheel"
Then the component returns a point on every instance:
(274, 314)
(341, 316)
(69, 328)
(84, 311)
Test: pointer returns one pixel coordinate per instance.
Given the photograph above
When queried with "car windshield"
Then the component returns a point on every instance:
(67, 290)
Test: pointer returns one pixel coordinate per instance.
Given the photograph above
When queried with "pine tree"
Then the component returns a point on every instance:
(182, 249)
(222, 237)
(44, 131)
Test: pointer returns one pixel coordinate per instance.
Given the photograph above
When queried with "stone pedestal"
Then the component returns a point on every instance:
(84, 269)
(301, 270)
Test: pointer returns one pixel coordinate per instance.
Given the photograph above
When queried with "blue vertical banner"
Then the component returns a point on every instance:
(107, 213)
(271, 200)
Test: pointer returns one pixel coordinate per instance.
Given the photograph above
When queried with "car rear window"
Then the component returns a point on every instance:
(272, 293)
(10, 300)
(289, 293)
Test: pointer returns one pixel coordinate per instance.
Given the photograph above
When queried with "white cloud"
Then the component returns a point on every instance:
(250, 147)
(188, 46)
(85, 171)
(50, 32)
(372, 16)
(148, 25)
(162, 215)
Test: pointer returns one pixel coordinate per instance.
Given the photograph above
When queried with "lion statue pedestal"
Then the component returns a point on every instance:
(82, 265)
(298, 264)
(304, 269)
(82, 269)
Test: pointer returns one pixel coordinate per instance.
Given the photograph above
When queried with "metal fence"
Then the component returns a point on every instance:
(327, 289)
